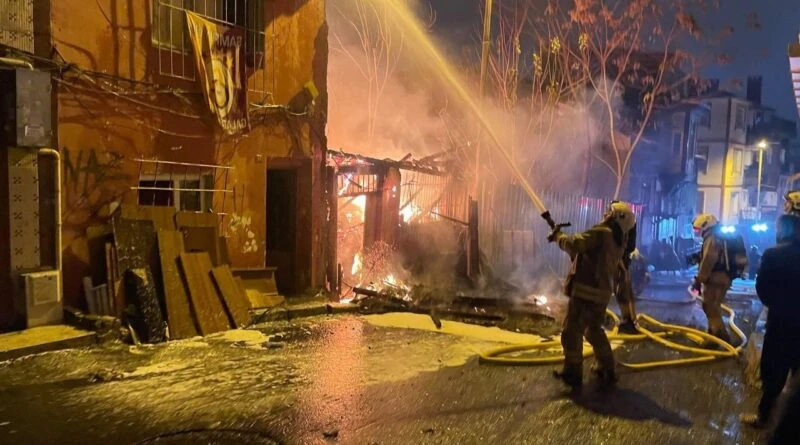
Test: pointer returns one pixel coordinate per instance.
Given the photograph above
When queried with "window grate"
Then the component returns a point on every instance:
(170, 37)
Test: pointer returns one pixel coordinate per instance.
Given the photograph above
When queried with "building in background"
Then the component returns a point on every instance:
(138, 118)
(769, 142)
(720, 156)
(663, 175)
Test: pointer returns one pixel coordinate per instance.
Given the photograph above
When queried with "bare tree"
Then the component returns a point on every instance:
(373, 47)
(626, 52)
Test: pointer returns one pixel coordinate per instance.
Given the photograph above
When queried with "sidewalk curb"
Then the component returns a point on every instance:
(88, 339)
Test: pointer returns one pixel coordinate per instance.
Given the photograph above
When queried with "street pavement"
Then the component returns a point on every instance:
(343, 380)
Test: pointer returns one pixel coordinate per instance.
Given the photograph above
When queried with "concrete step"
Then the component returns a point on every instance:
(43, 339)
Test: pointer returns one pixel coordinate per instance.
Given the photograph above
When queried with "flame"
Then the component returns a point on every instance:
(410, 211)
(346, 184)
(356, 265)
(361, 202)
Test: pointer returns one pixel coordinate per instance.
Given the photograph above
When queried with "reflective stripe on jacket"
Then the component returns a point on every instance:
(595, 257)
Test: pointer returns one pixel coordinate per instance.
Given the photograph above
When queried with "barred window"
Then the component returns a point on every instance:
(170, 33)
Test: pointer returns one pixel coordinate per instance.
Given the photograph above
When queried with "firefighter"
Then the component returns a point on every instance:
(596, 255)
(624, 286)
(791, 203)
(780, 353)
(712, 279)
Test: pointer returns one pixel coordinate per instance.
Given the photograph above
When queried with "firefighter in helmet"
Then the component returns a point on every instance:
(596, 255)
(713, 279)
(791, 204)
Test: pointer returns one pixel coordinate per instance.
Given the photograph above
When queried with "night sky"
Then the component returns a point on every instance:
(751, 51)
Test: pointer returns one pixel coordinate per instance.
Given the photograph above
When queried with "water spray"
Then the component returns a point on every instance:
(408, 20)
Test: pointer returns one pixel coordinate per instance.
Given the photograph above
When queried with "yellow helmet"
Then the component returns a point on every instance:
(791, 204)
(704, 223)
(623, 215)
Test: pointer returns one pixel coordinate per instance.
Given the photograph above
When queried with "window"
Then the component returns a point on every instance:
(170, 32)
(740, 118)
(738, 165)
(701, 159)
(186, 194)
(677, 140)
(701, 202)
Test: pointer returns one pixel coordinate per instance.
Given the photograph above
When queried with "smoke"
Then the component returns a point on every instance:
(387, 100)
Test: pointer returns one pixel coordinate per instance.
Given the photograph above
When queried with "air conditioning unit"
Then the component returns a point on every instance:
(43, 302)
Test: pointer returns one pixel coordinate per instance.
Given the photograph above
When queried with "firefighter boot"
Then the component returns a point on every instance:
(571, 375)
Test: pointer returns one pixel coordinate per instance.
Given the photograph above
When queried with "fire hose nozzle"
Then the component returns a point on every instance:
(553, 225)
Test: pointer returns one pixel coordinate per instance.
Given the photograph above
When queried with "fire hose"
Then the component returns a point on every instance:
(702, 354)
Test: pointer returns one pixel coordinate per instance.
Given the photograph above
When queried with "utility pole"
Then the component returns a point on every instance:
(485, 48)
(761, 147)
(473, 246)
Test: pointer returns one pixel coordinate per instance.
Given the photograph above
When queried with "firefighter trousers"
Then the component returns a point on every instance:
(713, 294)
(585, 319)
(624, 294)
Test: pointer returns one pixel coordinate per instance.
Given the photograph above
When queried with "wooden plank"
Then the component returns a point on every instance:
(147, 319)
(224, 256)
(179, 311)
(235, 300)
(118, 290)
(163, 217)
(96, 237)
(136, 248)
(110, 275)
(208, 308)
(202, 239)
(196, 219)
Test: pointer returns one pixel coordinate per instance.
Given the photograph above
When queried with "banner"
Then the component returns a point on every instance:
(219, 53)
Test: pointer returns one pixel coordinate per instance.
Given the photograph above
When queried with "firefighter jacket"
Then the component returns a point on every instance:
(595, 255)
(780, 265)
(713, 269)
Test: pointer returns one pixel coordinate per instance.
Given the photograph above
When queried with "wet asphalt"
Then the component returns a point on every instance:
(342, 380)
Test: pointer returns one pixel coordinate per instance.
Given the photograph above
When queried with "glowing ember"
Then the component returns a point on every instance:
(540, 300)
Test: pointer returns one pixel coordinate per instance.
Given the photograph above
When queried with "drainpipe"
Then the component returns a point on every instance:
(16, 62)
(57, 156)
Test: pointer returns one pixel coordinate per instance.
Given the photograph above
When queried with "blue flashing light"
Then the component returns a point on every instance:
(728, 229)
(759, 227)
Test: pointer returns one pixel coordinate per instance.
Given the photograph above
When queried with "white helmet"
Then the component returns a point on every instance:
(704, 223)
(623, 215)
(791, 205)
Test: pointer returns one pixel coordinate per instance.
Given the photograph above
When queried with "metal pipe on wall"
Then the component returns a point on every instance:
(16, 62)
(57, 156)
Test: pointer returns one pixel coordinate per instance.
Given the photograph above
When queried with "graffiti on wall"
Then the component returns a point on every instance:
(92, 179)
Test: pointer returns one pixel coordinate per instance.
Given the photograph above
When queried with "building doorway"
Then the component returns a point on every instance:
(282, 190)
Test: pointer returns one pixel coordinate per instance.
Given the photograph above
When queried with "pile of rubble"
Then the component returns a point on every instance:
(166, 274)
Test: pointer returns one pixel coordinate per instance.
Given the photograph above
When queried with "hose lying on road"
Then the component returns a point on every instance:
(662, 337)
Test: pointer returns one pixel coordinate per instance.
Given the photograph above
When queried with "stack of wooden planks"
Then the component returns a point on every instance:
(167, 273)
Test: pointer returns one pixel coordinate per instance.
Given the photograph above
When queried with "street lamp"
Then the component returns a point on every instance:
(762, 145)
